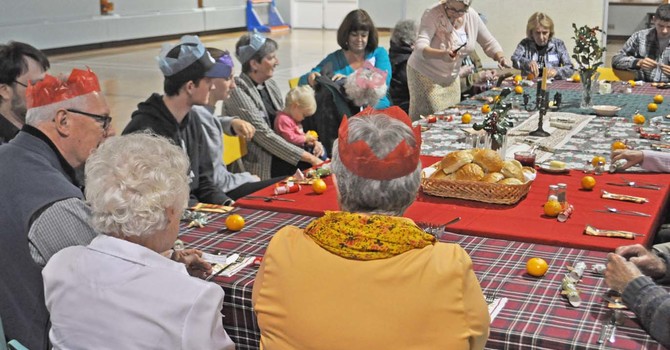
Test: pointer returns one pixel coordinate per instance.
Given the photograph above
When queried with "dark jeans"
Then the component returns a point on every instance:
(251, 187)
(283, 168)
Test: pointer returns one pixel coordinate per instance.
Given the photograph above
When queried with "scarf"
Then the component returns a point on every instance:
(363, 237)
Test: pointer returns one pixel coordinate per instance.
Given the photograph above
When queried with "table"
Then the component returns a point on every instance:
(536, 315)
(523, 221)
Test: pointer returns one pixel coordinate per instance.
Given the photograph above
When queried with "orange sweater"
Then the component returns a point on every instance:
(308, 298)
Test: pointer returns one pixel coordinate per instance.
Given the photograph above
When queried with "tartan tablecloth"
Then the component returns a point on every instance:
(535, 317)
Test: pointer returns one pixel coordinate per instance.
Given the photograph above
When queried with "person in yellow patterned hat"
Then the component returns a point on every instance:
(366, 277)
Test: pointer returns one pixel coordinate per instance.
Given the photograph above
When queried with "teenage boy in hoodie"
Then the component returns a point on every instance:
(184, 67)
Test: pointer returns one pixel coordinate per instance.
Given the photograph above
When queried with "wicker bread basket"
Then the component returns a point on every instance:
(474, 190)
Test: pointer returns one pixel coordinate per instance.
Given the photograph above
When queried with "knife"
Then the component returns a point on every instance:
(649, 187)
(269, 199)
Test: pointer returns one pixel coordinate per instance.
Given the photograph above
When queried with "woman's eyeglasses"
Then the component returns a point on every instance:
(463, 11)
(105, 120)
(20, 83)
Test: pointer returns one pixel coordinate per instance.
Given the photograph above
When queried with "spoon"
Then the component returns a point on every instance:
(626, 212)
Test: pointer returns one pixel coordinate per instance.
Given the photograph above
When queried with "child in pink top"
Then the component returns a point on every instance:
(300, 104)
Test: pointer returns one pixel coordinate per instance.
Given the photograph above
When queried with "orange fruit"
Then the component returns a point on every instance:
(638, 119)
(576, 78)
(652, 107)
(466, 118)
(631, 83)
(588, 182)
(319, 186)
(235, 222)
(598, 159)
(313, 133)
(658, 99)
(618, 145)
(530, 76)
(518, 78)
(518, 89)
(536, 267)
(486, 108)
(552, 208)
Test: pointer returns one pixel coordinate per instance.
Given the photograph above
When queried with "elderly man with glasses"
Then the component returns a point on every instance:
(42, 210)
(20, 64)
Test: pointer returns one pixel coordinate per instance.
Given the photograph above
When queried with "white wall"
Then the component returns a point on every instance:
(48, 24)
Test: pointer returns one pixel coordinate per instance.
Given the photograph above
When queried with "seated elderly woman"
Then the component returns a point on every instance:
(119, 291)
(365, 277)
(257, 99)
(541, 49)
(359, 42)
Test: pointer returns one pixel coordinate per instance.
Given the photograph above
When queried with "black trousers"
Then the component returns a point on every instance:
(251, 187)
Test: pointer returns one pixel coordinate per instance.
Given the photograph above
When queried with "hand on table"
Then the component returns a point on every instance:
(632, 157)
(192, 258)
(243, 129)
(620, 272)
(647, 63)
(648, 263)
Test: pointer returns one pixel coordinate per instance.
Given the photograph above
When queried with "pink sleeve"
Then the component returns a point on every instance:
(287, 128)
(656, 161)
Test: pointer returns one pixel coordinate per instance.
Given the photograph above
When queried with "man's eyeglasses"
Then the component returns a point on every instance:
(20, 83)
(105, 120)
(455, 10)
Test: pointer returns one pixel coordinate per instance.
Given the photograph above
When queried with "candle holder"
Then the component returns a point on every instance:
(543, 103)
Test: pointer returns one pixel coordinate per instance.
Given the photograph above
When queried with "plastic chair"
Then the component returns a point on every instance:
(614, 74)
(234, 148)
(293, 82)
(10, 345)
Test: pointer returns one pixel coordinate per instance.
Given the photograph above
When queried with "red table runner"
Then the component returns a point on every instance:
(524, 221)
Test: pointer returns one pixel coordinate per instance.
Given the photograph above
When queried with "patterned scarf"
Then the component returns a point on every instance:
(363, 237)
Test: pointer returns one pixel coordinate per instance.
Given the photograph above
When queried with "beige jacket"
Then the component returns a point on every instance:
(308, 298)
(246, 102)
(436, 30)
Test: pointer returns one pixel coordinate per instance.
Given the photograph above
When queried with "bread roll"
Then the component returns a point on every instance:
(488, 159)
(469, 172)
(510, 181)
(512, 169)
(438, 175)
(493, 177)
(455, 160)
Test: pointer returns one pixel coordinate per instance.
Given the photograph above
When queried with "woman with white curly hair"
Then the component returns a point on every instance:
(365, 277)
(119, 291)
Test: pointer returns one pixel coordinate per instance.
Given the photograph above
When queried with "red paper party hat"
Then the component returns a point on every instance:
(362, 161)
(51, 89)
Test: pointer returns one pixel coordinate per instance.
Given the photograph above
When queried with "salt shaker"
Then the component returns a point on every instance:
(553, 191)
(562, 193)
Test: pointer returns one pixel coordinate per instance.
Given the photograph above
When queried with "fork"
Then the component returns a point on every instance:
(490, 297)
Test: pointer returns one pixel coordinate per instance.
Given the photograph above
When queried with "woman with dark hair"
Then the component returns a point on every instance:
(359, 42)
(257, 99)
(541, 49)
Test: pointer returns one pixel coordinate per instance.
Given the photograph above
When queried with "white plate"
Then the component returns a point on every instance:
(606, 111)
(547, 169)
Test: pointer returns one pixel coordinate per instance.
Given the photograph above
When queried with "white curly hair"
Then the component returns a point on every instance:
(366, 86)
(130, 182)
